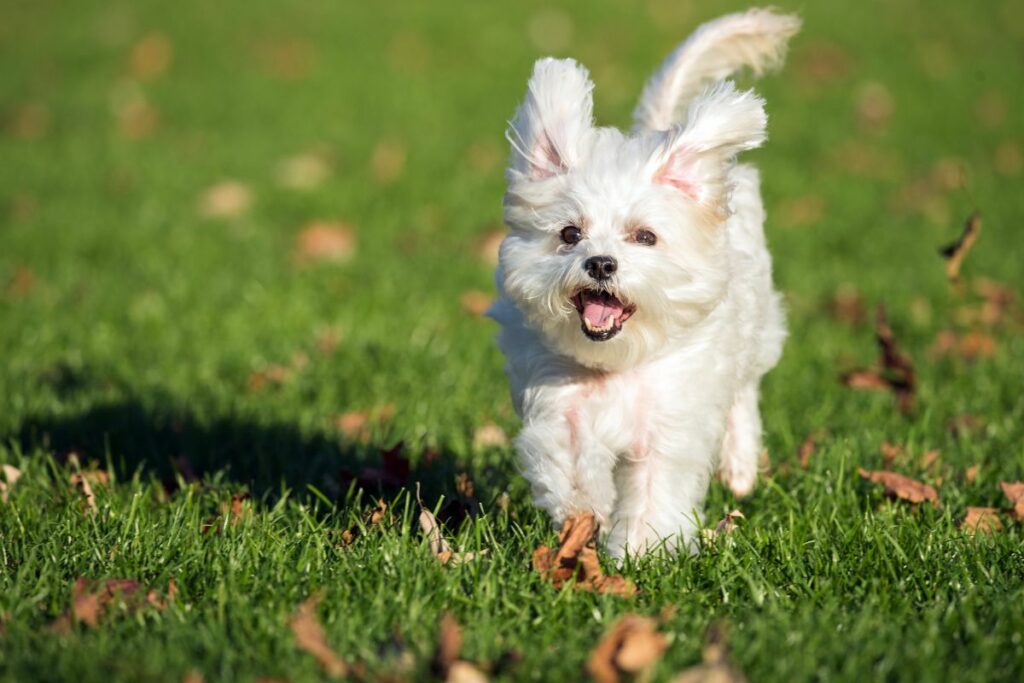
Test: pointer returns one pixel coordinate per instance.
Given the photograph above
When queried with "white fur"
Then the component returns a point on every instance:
(632, 428)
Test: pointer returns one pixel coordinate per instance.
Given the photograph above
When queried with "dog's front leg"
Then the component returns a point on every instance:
(568, 471)
(661, 496)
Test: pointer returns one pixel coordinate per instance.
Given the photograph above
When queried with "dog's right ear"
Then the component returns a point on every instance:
(547, 128)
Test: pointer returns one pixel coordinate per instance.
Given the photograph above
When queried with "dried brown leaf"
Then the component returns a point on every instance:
(151, 57)
(446, 663)
(226, 199)
(865, 379)
(489, 246)
(956, 252)
(981, 520)
(84, 481)
(489, 435)
(1014, 492)
(847, 305)
(724, 527)
(21, 283)
(807, 449)
(971, 473)
(11, 475)
(325, 241)
(475, 302)
(716, 667)
(901, 486)
(310, 638)
(303, 171)
(576, 558)
(630, 646)
(387, 161)
(891, 453)
(929, 458)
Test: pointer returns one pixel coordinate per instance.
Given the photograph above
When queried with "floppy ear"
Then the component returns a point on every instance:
(557, 111)
(695, 157)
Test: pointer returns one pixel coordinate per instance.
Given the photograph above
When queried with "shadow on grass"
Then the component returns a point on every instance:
(264, 457)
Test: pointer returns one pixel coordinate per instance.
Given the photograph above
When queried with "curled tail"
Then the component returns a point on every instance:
(756, 38)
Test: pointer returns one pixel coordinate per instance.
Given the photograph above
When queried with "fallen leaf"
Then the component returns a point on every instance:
(325, 241)
(447, 663)
(1014, 492)
(847, 305)
(303, 171)
(11, 475)
(976, 344)
(357, 425)
(576, 558)
(822, 63)
(807, 449)
(984, 520)
(956, 252)
(136, 117)
(865, 379)
(287, 58)
(724, 527)
(310, 638)
(387, 161)
(891, 453)
(964, 425)
(874, 106)
(990, 109)
(489, 435)
(231, 513)
(894, 370)
(631, 646)
(800, 211)
(273, 374)
(194, 676)
(21, 283)
(226, 199)
(971, 473)
(151, 57)
(475, 302)
(929, 458)
(490, 245)
(90, 600)
(1008, 160)
(84, 481)
(375, 516)
(716, 667)
(901, 486)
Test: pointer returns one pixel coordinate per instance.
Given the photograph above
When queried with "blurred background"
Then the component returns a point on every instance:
(283, 217)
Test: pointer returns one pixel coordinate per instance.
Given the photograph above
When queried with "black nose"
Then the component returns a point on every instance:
(600, 267)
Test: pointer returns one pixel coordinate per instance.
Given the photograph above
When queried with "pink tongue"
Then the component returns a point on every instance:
(597, 310)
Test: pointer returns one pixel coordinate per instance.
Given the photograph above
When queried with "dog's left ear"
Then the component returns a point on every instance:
(695, 157)
(547, 128)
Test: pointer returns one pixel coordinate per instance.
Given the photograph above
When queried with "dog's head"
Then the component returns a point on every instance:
(616, 242)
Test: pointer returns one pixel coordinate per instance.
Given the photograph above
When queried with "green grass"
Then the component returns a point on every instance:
(136, 341)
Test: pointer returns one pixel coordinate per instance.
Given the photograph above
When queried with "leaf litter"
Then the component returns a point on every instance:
(894, 370)
(631, 646)
(901, 486)
(310, 638)
(575, 560)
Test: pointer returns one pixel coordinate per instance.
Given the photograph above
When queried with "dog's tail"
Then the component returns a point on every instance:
(756, 38)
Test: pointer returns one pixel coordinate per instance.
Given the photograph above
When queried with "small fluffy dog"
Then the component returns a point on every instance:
(635, 300)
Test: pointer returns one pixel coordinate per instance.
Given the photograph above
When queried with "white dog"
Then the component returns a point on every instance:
(635, 293)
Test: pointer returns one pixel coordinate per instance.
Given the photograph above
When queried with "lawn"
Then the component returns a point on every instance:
(243, 248)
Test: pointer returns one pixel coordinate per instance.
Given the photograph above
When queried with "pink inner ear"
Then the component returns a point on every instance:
(680, 171)
(546, 160)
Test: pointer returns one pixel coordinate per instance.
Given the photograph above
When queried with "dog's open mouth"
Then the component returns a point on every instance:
(601, 313)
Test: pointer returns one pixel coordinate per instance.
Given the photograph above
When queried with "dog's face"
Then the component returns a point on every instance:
(616, 243)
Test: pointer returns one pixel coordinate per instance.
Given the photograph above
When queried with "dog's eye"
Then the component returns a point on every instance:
(571, 234)
(645, 237)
